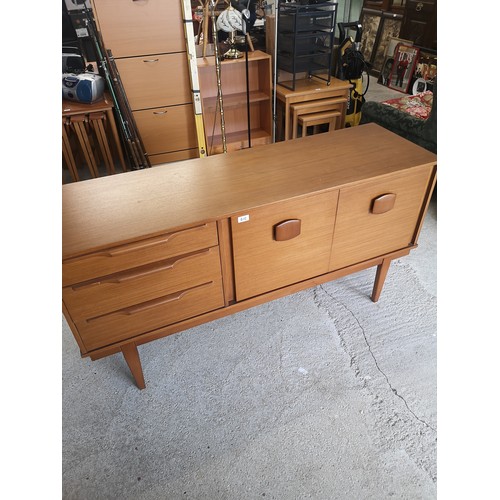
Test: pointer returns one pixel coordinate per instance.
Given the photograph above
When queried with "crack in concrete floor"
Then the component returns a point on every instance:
(392, 388)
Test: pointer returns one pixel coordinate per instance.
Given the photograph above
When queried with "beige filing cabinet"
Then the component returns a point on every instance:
(147, 41)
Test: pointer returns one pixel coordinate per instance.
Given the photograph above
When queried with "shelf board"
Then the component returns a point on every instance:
(259, 136)
(234, 100)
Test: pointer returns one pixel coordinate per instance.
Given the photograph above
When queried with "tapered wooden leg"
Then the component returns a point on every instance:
(131, 355)
(380, 278)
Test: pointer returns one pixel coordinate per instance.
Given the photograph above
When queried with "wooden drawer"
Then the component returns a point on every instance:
(149, 81)
(361, 234)
(261, 263)
(186, 154)
(120, 258)
(134, 28)
(170, 128)
(141, 284)
(125, 323)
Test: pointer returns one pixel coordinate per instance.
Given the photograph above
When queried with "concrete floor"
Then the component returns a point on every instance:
(322, 395)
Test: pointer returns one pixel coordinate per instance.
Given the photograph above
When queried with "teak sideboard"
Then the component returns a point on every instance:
(153, 252)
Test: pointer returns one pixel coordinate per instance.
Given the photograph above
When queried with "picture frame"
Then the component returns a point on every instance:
(389, 28)
(406, 58)
(426, 67)
(385, 71)
(370, 20)
(425, 72)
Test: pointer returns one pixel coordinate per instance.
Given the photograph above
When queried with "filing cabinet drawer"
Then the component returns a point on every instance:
(120, 290)
(186, 154)
(139, 253)
(150, 83)
(125, 323)
(134, 28)
(170, 128)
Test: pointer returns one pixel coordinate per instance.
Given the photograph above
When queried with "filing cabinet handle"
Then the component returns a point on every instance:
(150, 60)
(287, 230)
(160, 112)
(383, 203)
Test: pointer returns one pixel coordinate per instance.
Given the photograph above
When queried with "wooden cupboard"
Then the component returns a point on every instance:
(148, 44)
(263, 262)
(154, 252)
(420, 23)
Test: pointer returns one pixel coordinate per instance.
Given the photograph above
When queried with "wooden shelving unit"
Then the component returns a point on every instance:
(234, 96)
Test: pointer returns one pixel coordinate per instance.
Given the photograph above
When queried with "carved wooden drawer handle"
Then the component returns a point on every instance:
(153, 242)
(287, 230)
(159, 302)
(119, 278)
(151, 304)
(383, 203)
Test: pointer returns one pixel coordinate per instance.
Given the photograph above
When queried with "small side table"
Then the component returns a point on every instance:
(306, 90)
(88, 123)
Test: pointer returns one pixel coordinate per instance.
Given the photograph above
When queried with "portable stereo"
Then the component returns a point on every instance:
(84, 87)
(72, 63)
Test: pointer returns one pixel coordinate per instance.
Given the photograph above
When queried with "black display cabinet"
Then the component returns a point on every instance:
(305, 39)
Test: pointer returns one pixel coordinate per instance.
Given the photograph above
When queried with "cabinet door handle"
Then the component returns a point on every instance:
(419, 6)
(383, 203)
(287, 230)
(150, 60)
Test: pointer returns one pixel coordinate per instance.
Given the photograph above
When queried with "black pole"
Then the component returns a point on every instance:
(246, 18)
(248, 92)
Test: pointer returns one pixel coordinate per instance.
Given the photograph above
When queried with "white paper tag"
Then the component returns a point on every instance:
(243, 218)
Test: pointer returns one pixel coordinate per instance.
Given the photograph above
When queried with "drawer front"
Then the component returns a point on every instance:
(147, 316)
(166, 129)
(141, 284)
(134, 28)
(262, 263)
(187, 154)
(136, 254)
(361, 234)
(149, 83)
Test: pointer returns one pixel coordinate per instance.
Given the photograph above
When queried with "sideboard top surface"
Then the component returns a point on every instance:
(117, 209)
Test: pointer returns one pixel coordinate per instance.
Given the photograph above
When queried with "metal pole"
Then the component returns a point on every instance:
(218, 74)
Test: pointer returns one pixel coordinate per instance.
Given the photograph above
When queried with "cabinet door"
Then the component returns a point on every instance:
(271, 250)
(134, 28)
(378, 216)
(420, 23)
